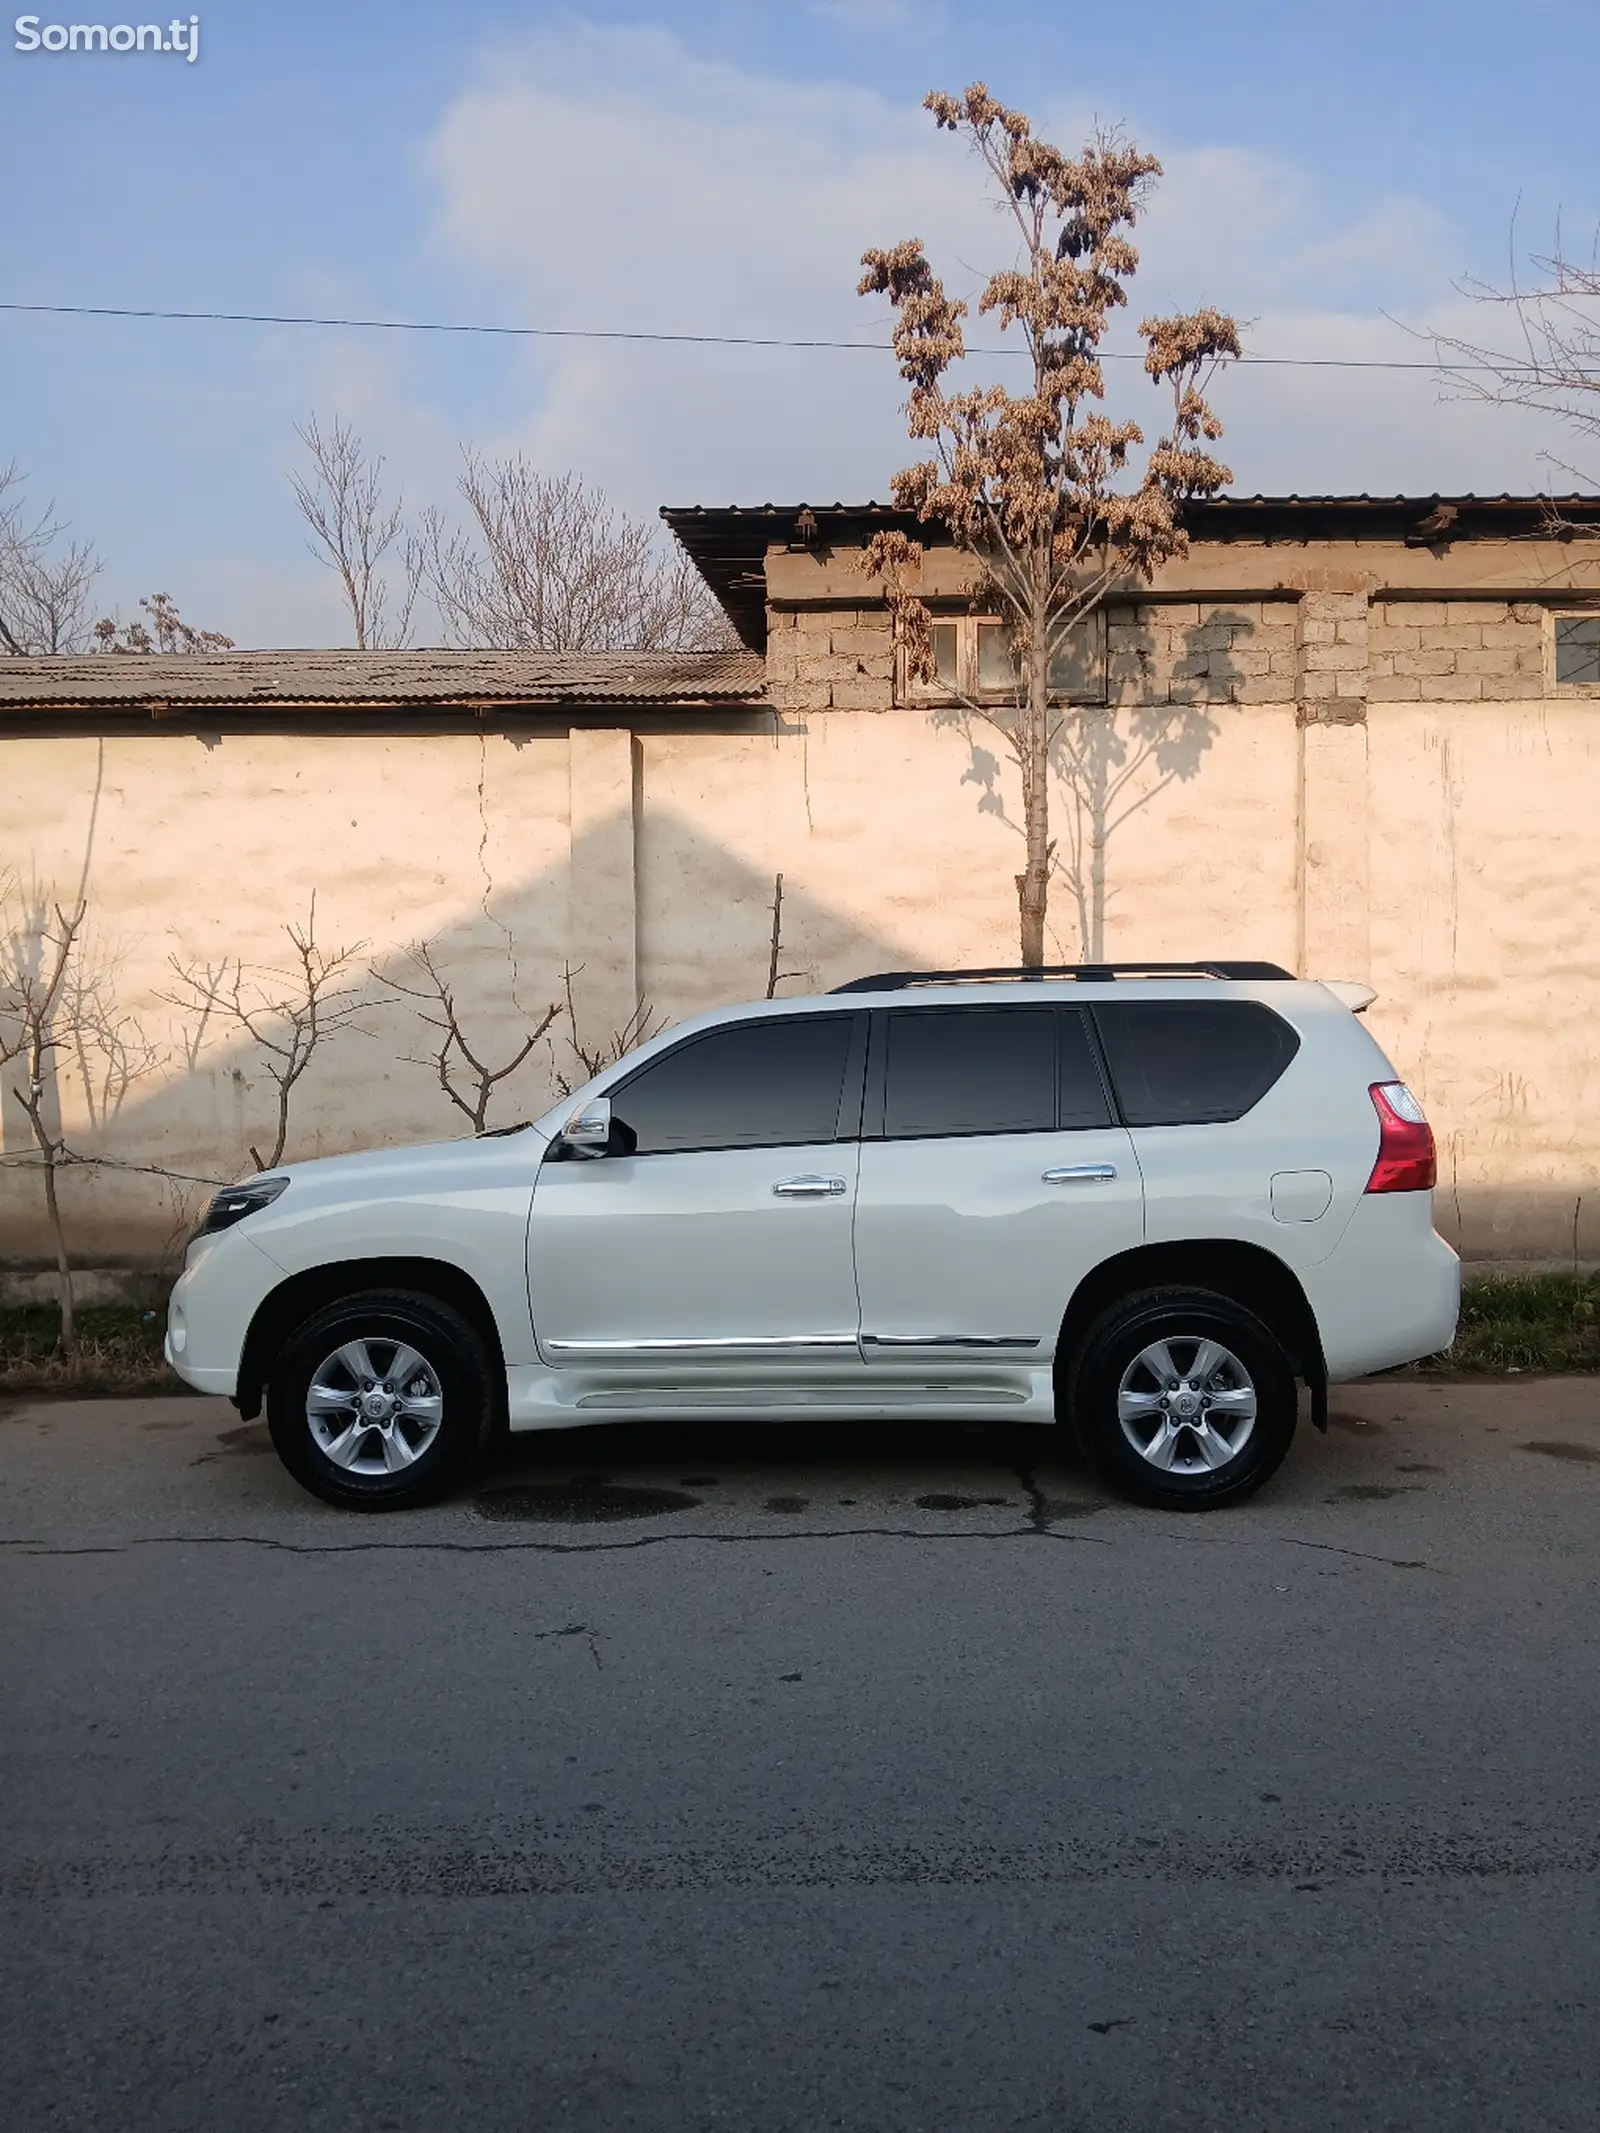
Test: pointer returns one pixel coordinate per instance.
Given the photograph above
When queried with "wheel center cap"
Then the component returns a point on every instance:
(1186, 1405)
(377, 1406)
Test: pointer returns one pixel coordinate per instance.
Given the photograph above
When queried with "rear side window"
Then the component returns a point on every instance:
(767, 1084)
(1192, 1062)
(988, 1070)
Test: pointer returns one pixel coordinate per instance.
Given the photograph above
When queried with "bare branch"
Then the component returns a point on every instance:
(44, 585)
(353, 529)
(286, 1013)
(547, 564)
(38, 956)
(1553, 366)
(640, 1027)
(434, 997)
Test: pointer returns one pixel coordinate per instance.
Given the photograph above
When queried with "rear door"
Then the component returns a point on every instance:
(993, 1178)
(1236, 1136)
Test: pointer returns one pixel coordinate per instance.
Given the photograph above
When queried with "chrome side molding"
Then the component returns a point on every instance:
(721, 1344)
(985, 1341)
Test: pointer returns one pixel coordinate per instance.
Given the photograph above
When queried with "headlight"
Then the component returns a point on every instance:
(236, 1201)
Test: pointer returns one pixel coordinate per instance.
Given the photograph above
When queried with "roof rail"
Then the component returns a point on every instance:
(1080, 973)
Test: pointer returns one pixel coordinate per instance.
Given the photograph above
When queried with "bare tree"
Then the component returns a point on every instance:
(38, 956)
(353, 530)
(548, 564)
(466, 1079)
(44, 584)
(1033, 486)
(288, 1013)
(111, 1047)
(775, 976)
(1547, 355)
(164, 631)
(643, 1024)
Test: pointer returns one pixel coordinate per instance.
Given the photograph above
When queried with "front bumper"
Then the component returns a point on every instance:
(224, 1282)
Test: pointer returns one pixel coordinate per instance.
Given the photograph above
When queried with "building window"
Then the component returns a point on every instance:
(975, 657)
(1578, 648)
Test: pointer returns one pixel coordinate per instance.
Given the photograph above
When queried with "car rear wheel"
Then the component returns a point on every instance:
(381, 1401)
(1185, 1399)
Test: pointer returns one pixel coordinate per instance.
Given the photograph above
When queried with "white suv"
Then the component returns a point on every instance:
(1138, 1200)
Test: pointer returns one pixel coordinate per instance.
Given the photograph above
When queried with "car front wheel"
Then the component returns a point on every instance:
(381, 1400)
(1185, 1399)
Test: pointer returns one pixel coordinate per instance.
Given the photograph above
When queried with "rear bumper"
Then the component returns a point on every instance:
(1390, 1293)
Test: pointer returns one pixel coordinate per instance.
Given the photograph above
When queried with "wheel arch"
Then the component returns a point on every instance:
(1247, 1274)
(295, 1298)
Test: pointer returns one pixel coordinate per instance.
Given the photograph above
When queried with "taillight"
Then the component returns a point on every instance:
(1406, 1160)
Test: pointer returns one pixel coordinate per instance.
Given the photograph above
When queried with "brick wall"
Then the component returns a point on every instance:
(1456, 651)
(1236, 651)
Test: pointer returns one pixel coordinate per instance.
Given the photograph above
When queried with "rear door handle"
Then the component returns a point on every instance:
(1080, 1174)
(809, 1188)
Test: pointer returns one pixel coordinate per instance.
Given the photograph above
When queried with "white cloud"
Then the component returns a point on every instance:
(610, 178)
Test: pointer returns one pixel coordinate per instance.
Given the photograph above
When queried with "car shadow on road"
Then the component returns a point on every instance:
(791, 1469)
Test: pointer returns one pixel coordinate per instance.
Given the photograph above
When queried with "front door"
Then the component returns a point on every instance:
(724, 1238)
(992, 1180)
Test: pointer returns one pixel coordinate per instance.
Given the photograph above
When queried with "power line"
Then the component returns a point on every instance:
(696, 340)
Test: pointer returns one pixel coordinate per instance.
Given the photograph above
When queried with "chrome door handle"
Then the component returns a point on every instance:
(809, 1188)
(1080, 1174)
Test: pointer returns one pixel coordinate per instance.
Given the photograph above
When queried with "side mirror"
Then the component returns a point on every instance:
(588, 1132)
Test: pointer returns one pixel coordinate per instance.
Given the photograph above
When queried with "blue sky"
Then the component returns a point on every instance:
(716, 168)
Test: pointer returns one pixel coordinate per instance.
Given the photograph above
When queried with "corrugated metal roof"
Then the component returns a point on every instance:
(432, 680)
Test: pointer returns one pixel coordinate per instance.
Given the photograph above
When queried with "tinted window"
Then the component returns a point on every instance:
(970, 1070)
(1191, 1062)
(754, 1085)
(1083, 1091)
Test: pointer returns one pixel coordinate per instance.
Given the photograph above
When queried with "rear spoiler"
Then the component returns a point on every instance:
(1358, 998)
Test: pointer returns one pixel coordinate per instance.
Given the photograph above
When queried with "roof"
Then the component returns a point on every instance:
(728, 542)
(418, 680)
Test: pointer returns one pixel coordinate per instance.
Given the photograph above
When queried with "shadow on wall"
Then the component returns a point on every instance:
(1109, 761)
(704, 926)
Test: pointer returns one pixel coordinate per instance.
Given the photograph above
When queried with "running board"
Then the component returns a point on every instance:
(671, 1399)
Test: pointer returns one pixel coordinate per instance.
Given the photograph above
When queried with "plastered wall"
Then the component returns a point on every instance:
(1263, 781)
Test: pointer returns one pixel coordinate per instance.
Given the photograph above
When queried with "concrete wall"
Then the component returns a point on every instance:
(1339, 774)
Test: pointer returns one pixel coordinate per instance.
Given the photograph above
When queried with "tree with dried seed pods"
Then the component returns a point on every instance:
(164, 630)
(1036, 487)
(288, 1014)
(468, 1081)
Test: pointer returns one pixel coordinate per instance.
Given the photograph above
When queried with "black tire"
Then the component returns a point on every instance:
(1214, 1458)
(444, 1413)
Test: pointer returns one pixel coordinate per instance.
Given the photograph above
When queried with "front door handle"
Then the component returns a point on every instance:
(809, 1188)
(1080, 1174)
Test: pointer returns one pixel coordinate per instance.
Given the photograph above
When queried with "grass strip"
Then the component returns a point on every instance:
(118, 1350)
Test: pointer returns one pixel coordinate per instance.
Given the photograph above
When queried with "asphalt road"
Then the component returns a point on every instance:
(774, 1780)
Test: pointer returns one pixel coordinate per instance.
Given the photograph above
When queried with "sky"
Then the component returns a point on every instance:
(1332, 175)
